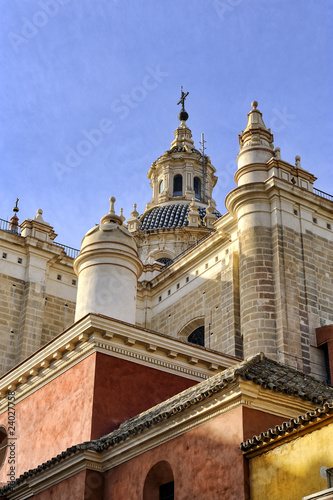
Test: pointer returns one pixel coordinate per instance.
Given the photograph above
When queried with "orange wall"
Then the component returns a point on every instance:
(255, 422)
(53, 418)
(86, 402)
(206, 464)
(72, 488)
(124, 389)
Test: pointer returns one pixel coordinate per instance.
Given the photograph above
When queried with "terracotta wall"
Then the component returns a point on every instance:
(72, 488)
(124, 389)
(206, 464)
(53, 418)
(255, 422)
(86, 402)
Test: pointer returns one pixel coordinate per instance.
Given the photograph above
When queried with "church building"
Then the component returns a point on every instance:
(144, 365)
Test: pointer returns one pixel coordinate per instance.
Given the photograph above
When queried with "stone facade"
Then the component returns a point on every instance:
(258, 278)
(38, 292)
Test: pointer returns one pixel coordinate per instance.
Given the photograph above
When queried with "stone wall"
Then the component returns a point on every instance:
(11, 298)
(28, 319)
(208, 296)
(59, 315)
(257, 300)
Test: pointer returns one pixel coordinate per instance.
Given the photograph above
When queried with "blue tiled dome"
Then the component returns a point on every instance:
(169, 216)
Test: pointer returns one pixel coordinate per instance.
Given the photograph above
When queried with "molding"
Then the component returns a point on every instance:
(97, 333)
(55, 474)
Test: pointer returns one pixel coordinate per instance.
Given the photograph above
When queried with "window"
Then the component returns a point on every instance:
(73, 282)
(59, 277)
(165, 260)
(160, 186)
(19, 260)
(4, 255)
(159, 483)
(197, 187)
(177, 185)
(3, 444)
(167, 491)
(197, 336)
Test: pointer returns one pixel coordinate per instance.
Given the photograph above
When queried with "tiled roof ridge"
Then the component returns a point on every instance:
(288, 427)
(189, 397)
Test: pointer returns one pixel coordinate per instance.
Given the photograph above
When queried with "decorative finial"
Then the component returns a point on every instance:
(254, 104)
(183, 115)
(122, 215)
(134, 213)
(13, 226)
(112, 202)
(298, 161)
(111, 216)
(16, 208)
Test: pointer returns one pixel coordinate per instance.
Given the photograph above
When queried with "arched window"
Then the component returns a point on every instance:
(160, 186)
(198, 336)
(165, 260)
(177, 185)
(159, 483)
(197, 187)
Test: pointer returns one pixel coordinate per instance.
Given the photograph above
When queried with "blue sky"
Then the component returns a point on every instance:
(89, 92)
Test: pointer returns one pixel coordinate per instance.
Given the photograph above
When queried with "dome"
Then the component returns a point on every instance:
(170, 216)
(109, 232)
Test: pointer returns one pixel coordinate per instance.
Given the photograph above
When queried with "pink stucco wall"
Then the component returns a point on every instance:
(124, 389)
(53, 418)
(72, 488)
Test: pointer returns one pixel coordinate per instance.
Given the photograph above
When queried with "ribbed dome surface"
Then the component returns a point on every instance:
(172, 216)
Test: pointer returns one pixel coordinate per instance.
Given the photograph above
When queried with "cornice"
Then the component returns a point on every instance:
(192, 256)
(271, 187)
(96, 333)
(56, 473)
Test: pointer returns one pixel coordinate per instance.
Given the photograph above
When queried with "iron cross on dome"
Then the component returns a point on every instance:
(182, 98)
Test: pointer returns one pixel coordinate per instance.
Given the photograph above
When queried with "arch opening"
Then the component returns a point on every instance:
(197, 187)
(177, 185)
(159, 483)
(197, 336)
